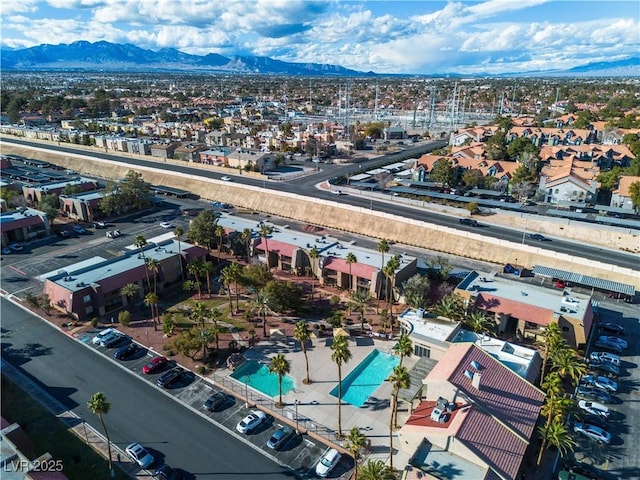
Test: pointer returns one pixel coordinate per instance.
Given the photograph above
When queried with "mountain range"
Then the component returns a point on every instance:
(112, 57)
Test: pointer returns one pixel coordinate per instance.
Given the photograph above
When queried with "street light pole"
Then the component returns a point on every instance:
(297, 430)
(246, 391)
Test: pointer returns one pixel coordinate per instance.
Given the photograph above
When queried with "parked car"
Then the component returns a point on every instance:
(607, 368)
(605, 357)
(214, 401)
(251, 421)
(16, 247)
(280, 437)
(97, 340)
(98, 225)
(171, 377)
(603, 383)
(79, 230)
(468, 221)
(155, 365)
(567, 475)
(603, 342)
(593, 394)
(327, 462)
(165, 472)
(536, 236)
(594, 408)
(6, 251)
(63, 233)
(139, 455)
(166, 225)
(586, 471)
(126, 352)
(613, 328)
(592, 432)
(616, 340)
(112, 340)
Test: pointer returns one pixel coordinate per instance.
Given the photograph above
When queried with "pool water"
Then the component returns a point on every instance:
(365, 379)
(258, 376)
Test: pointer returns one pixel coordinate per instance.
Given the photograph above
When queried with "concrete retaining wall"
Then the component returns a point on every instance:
(343, 217)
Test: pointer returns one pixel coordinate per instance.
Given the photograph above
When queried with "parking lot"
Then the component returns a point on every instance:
(300, 453)
(621, 458)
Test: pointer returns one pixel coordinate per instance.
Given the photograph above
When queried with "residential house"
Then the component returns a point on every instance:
(563, 181)
(164, 150)
(552, 136)
(621, 196)
(34, 193)
(189, 153)
(84, 207)
(603, 156)
(23, 224)
(485, 421)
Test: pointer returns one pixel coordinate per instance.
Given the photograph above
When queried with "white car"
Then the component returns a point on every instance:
(594, 408)
(601, 382)
(166, 225)
(327, 463)
(102, 335)
(592, 432)
(139, 455)
(606, 357)
(225, 179)
(337, 192)
(251, 421)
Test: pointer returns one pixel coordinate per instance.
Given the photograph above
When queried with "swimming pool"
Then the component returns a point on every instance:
(257, 376)
(365, 379)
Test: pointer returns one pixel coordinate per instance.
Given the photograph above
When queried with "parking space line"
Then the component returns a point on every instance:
(17, 270)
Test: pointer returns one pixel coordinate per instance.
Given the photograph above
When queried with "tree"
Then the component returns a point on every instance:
(340, 355)
(303, 335)
(141, 242)
(441, 267)
(220, 233)
(153, 266)
(280, 366)
(382, 247)
(443, 172)
(551, 340)
(478, 322)
(634, 191)
(130, 290)
(99, 406)
(202, 229)
(376, 470)
(399, 379)
(359, 302)
(567, 363)
(557, 435)
(194, 267)
(355, 442)
(451, 307)
(50, 205)
(390, 270)
(404, 347)
(350, 259)
(472, 178)
(189, 286)
(151, 300)
(265, 231)
(124, 318)
(284, 296)
(255, 275)
(178, 232)
(520, 145)
(314, 254)
(416, 291)
(135, 192)
(227, 275)
(246, 236)
(199, 313)
(207, 268)
(262, 306)
(609, 180)
(235, 273)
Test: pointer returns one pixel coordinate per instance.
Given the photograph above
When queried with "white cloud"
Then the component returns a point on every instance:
(24, 6)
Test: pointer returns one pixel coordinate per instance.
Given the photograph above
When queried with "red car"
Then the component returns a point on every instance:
(155, 365)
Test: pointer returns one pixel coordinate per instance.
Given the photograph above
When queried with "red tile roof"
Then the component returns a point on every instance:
(281, 248)
(359, 270)
(521, 311)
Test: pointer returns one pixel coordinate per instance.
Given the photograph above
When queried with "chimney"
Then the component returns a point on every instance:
(475, 381)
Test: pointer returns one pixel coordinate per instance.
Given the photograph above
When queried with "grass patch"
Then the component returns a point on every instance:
(48, 434)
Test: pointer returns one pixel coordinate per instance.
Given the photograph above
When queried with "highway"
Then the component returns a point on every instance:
(71, 373)
(306, 186)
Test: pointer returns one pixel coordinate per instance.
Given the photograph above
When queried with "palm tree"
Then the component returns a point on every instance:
(551, 339)
(98, 405)
(350, 259)
(376, 470)
(355, 441)
(314, 254)
(552, 385)
(383, 247)
(219, 232)
(153, 265)
(557, 435)
(399, 379)
(199, 313)
(303, 335)
(235, 272)
(216, 331)
(141, 242)
(130, 290)
(390, 272)
(265, 231)
(568, 365)
(178, 232)
(280, 366)
(359, 302)
(451, 307)
(194, 267)
(227, 277)
(478, 322)
(341, 354)
(246, 238)
(261, 303)
(151, 300)
(207, 268)
(404, 346)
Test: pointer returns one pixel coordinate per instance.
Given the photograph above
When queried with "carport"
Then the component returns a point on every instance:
(622, 290)
(169, 191)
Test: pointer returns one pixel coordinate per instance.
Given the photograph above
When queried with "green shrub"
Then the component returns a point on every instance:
(124, 318)
(334, 300)
(94, 322)
(200, 369)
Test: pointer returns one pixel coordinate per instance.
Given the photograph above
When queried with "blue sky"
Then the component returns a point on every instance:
(420, 36)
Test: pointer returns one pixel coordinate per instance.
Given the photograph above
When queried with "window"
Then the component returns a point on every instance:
(421, 351)
(86, 298)
(89, 310)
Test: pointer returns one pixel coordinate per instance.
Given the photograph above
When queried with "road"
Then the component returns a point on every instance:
(305, 186)
(71, 373)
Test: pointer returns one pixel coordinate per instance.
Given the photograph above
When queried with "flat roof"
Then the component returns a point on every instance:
(86, 196)
(54, 185)
(428, 328)
(20, 214)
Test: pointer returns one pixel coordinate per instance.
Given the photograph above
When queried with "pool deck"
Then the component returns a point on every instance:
(317, 405)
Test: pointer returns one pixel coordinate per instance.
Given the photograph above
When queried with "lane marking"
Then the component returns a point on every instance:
(17, 270)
